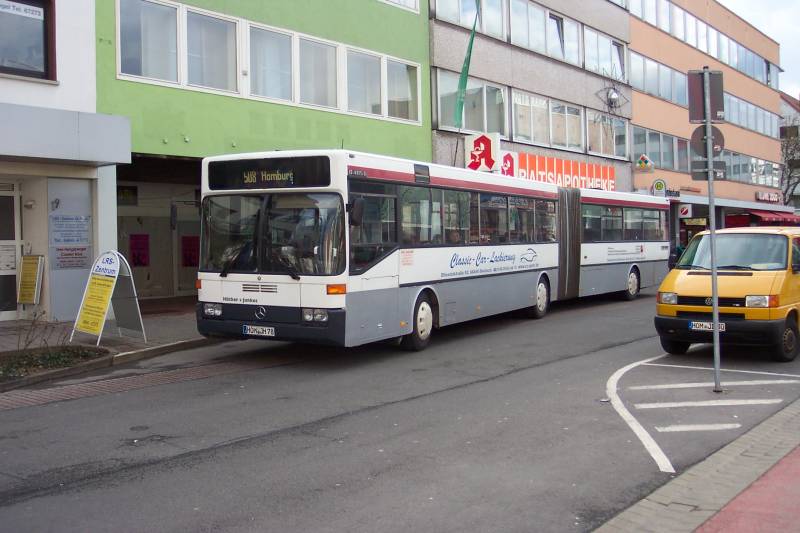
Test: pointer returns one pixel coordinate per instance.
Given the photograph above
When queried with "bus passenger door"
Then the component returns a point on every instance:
(569, 243)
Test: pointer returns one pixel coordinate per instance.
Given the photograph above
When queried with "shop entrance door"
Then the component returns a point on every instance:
(9, 249)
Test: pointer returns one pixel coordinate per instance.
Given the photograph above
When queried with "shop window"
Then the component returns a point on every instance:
(317, 73)
(532, 118)
(211, 51)
(402, 90)
(148, 40)
(363, 83)
(566, 123)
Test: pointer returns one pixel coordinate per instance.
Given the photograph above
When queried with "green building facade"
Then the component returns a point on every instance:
(207, 77)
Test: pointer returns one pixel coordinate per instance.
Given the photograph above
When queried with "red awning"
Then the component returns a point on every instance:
(776, 216)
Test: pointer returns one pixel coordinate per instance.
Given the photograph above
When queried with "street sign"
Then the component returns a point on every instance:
(700, 170)
(697, 97)
(698, 141)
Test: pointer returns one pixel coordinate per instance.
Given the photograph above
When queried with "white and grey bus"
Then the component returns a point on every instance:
(347, 248)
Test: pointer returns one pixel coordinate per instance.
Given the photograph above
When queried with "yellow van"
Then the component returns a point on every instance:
(759, 292)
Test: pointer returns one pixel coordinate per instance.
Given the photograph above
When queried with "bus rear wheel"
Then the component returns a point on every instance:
(420, 336)
(540, 308)
(633, 286)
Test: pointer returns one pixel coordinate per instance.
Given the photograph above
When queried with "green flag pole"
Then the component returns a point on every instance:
(462, 81)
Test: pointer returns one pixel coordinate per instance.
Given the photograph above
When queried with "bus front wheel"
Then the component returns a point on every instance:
(420, 336)
(633, 286)
(539, 309)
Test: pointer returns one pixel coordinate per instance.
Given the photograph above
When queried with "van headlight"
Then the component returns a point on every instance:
(212, 309)
(761, 301)
(669, 298)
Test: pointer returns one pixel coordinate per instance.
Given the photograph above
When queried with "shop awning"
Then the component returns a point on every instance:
(775, 216)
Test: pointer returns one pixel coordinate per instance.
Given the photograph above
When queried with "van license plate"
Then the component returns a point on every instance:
(258, 331)
(705, 326)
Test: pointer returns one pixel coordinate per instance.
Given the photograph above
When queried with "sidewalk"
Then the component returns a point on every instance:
(752, 484)
(168, 323)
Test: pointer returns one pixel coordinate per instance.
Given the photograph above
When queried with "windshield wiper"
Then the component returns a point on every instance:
(734, 267)
(229, 263)
(290, 268)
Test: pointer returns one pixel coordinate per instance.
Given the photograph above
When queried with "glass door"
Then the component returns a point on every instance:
(9, 250)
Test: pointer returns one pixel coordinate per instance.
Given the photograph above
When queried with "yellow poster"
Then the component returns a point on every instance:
(30, 278)
(94, 307)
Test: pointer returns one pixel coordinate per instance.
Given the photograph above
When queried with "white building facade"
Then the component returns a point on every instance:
(57, 155)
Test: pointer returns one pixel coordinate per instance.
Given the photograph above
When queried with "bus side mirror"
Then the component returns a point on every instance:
(673, 260)
(356, 209)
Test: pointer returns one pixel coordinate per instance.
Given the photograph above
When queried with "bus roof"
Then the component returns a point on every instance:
(396, 169)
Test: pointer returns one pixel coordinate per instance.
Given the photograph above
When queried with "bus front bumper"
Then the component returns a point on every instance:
(744, 332)
(330, 332)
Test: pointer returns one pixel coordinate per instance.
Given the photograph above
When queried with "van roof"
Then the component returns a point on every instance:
(770, 230)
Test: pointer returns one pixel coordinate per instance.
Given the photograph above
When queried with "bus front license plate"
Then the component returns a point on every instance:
(258, 331)
(705, 326)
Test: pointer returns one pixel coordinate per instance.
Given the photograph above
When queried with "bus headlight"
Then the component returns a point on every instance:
(320, 315)
(669, 298)
(761, 301)
(212, 309)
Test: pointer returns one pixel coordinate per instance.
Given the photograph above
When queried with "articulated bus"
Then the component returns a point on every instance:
(346, 248)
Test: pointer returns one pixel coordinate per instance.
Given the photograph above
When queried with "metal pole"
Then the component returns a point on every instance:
(712, 219)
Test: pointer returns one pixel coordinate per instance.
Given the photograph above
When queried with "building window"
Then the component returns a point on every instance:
(409, 4)
(27, 38)
(702, 36)
(402, 90)
(484, 104)
(148, 40)
(691, 30)
(665, 82)
(462, 12)
(603, 55)
(528, 25)
(663, 15)
(566, 126)
(650, 13)
(532, 118)
(678, 23)
(270, 64)
(665, 151)
(363, 83)
(658, 80)
(317, 73)
(607, 135)
(212, 52)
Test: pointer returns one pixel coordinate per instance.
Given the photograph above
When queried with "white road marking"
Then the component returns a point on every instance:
(706, 403)
(697, 427)
(727, 384)
(727, 370)
(649, 444)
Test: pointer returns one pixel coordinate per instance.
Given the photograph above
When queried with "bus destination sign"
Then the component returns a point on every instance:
(270, 173)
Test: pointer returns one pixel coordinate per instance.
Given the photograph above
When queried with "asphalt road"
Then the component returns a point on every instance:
(500, 425)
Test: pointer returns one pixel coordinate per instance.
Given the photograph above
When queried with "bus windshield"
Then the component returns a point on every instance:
(737, 251)
(285, 233)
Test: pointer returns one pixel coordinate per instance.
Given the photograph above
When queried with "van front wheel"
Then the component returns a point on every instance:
(674, 347)
(786, 350)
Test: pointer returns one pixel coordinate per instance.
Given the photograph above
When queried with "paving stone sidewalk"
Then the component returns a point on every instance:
(703, 491)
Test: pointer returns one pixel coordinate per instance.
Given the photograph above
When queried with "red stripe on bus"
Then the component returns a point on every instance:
(392, 175)
(627, 203)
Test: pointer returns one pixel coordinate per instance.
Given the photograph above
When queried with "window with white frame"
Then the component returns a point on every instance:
(484, 104)
(363, 83)
(542, 31)
(211, 51)
(149, 40)
(281, 65)
(666, 151)
(463, 12)
(566, 125)
(657, 79)
(531, 118)
(317, 73)
(410, 4)
(606, 135)
(402, 90)
(270, 64)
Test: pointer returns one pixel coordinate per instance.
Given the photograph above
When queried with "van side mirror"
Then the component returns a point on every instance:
(356, 208)
(673, 260)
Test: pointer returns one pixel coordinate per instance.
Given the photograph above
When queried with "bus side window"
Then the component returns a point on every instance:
(611, 224)
(494, 219)
(546, 221)
(651, 224)
(521, 219)
(456, 217)
(633, 225)
(592, 223)
(377, 234)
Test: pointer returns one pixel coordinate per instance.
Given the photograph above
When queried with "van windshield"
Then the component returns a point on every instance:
(737, 251)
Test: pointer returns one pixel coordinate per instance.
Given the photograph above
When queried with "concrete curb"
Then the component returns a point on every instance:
(108, 361)
(690, 499)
